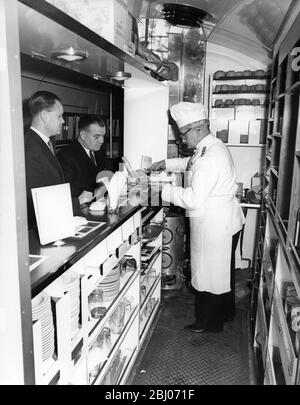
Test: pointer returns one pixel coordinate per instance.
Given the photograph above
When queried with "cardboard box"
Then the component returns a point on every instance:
(236, 129)
(254, 132)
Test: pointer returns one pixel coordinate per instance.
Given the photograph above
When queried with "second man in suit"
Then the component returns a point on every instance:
(84, 159)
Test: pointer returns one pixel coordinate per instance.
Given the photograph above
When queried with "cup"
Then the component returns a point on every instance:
(95, 303)
(116, 321)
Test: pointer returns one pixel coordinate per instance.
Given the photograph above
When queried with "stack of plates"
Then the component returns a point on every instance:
(111, 284)
(70, 282)
(41, 310)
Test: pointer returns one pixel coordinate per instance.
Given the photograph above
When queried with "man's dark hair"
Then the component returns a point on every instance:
(87, 120)
(41, 100)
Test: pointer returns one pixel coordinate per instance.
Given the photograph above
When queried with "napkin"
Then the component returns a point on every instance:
(115, 187)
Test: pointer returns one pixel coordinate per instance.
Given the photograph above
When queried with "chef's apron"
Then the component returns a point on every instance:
(210, 245)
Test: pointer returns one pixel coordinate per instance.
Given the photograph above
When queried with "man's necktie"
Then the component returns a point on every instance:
(51, 147)
(92, 156)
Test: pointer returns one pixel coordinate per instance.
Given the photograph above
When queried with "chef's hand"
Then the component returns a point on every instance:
(85, 197)
(161, 165)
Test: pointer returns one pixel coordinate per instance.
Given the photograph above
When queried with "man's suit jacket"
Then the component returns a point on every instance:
(42, 169)
(79, 170)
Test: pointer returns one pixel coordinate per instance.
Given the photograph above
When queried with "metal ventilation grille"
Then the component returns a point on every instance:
(184, 16)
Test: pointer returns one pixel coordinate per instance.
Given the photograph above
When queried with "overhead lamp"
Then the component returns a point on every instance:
(184, 16)
(70, 55)
(120, 76)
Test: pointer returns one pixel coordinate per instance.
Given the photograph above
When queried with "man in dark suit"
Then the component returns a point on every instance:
(42, 167)
(84, 159)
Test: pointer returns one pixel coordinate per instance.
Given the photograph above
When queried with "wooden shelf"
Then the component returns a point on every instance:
(276, 135)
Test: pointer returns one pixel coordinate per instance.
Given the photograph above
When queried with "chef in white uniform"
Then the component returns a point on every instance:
(214, 213)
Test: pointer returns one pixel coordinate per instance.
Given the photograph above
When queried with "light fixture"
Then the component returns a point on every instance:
(120, 76)
(70, 55)
(184, 16)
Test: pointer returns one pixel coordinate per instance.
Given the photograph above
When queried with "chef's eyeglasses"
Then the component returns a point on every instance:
(186, 132)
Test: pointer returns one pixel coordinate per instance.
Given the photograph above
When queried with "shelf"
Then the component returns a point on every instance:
(280, 96)
(149, 293)
(95, 325)
(241, 92)
(276, 135)
(147, 324)
(243, 145)
(115, 347)
(268, 158)
(294, 88)
(241, 105)
(127, 367)
(274, 171)
(150, 265)
(228, 78)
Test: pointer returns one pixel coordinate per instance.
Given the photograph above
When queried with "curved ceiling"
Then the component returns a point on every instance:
(242, 25)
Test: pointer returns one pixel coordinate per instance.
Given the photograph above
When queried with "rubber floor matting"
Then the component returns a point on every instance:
(174, 356)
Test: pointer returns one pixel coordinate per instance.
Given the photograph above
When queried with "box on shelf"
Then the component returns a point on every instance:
(236, 129)
(254, 132)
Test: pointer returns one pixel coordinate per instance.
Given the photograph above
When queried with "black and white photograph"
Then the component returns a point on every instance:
(150, 195)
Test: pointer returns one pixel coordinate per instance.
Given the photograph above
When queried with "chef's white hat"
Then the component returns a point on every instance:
(185, 113)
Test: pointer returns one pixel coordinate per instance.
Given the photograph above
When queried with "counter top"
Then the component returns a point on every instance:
(59, 259)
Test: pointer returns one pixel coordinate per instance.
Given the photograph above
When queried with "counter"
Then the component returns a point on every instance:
(59, 259)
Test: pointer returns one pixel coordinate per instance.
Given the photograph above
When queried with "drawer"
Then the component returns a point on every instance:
(114, 240)
(128, 228)
(289, 359)
(97, 255)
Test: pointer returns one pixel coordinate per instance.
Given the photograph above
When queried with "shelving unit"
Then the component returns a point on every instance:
(238, 106)
(275, 299)
(110, 326)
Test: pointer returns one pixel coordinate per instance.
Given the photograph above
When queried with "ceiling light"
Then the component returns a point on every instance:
(184, 16)
(70, 55)
(121, 76)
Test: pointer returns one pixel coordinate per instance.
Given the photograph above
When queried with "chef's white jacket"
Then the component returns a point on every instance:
(215, 214)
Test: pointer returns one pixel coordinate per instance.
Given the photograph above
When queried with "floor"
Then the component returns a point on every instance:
(174, 356)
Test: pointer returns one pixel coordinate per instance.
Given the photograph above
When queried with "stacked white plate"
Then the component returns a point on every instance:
(70, 282)
(41, 310)
(111, 284)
